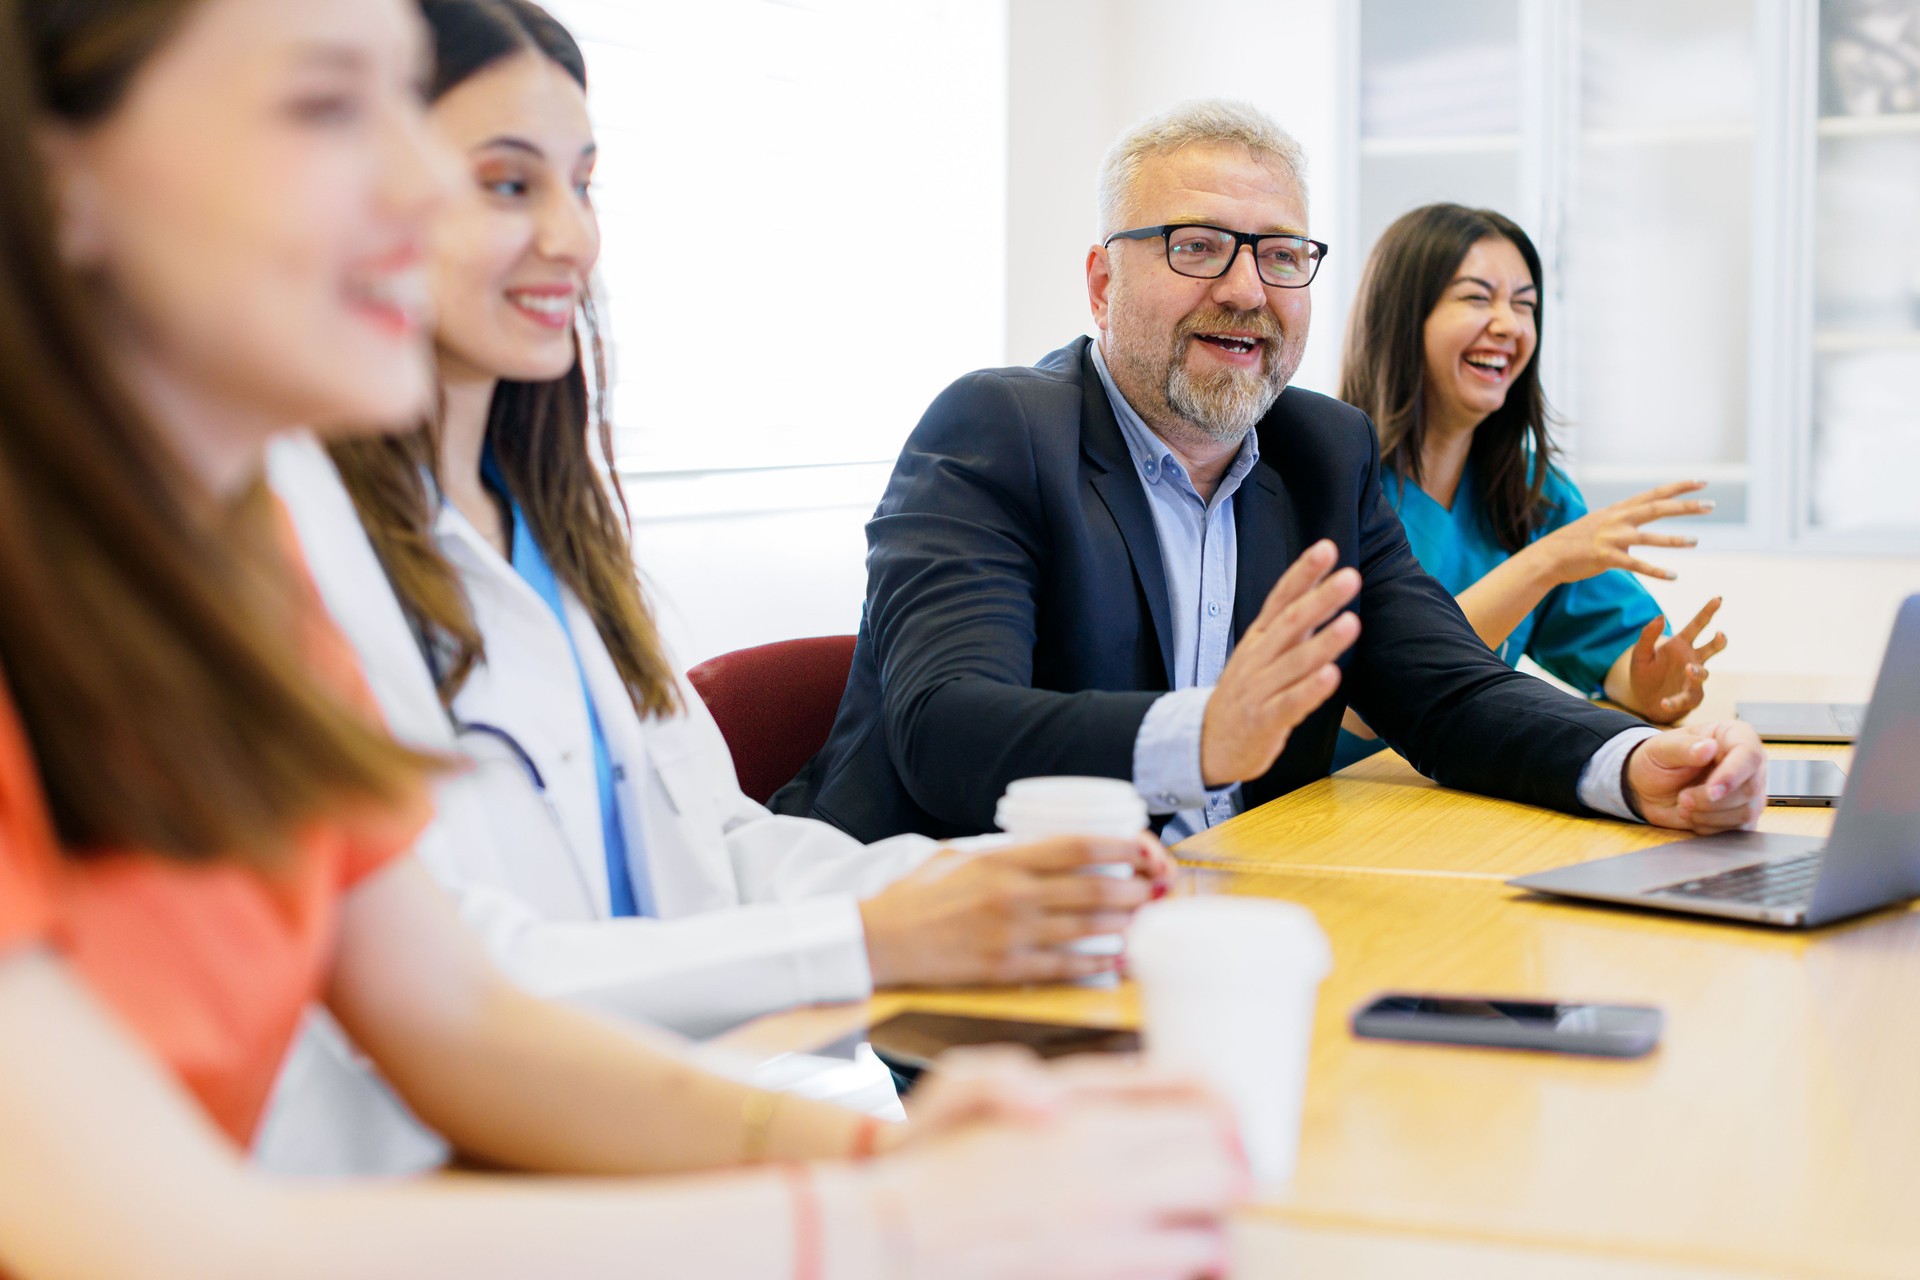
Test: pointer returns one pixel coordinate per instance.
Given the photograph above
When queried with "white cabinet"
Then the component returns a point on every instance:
(1863, 454)
(1727, 197)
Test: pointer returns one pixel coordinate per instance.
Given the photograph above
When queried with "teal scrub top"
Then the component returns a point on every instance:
(1576, 633)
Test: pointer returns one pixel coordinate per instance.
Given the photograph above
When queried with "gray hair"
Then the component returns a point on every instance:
(1206, 121)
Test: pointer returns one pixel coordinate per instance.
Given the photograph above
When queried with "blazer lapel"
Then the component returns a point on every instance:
(1118, 484)
(1263, 536)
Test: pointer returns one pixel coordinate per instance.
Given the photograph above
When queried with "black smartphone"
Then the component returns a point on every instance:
(909, 1042)
(1805, 782)
(1612, 1030)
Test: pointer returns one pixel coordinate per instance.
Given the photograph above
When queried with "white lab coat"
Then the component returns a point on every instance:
(762, 907)
(757, 912)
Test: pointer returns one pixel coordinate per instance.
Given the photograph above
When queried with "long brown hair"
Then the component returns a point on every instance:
(539, 434)
(1384, 367)
(146, 639)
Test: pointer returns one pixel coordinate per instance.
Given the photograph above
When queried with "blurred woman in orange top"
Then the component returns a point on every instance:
(211, 218)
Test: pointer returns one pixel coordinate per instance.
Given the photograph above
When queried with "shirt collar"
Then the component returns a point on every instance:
(1151, 456)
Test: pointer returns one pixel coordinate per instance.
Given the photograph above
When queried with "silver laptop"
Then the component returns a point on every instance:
(1871, 860)
(1803, 721)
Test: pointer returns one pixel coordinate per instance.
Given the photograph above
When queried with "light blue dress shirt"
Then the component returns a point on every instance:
(1202, 560)
(1202, 563)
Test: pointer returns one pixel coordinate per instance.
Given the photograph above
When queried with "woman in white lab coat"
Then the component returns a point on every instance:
(619, 861)
(210, 220)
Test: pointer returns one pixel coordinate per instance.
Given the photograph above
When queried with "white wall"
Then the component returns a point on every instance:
(726, 582)
(733, 561)
(1798, 615)
(1081, 71)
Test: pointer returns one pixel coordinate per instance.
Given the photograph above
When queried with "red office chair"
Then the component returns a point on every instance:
(775, 704)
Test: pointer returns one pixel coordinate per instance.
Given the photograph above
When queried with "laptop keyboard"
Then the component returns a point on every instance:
(1768, 884)
(1847, 717)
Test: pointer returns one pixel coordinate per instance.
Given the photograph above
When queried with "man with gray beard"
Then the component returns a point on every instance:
(1148, 558)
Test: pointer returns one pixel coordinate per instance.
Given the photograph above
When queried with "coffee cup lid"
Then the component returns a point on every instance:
(1072, 804)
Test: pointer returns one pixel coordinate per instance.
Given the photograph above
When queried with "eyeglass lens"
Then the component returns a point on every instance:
(1206, 253)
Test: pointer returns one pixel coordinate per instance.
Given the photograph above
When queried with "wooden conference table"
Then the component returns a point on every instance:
(1776, 1131)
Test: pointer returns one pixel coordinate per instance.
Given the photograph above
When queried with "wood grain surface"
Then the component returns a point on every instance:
(1775, 1131)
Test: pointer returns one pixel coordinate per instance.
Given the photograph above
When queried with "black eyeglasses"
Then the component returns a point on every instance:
(1206, 253)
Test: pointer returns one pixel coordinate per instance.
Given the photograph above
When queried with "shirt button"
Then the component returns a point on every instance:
(1213, 608)
(1168, 798)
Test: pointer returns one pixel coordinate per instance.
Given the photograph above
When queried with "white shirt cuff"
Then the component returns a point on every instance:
(1601, 786)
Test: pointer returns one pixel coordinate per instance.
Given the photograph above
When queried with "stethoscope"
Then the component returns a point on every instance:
(429, 652)
(463, 728)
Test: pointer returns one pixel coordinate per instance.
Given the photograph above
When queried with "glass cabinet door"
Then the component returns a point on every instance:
(1440, 89)
(1658, 249)
(1865, 444)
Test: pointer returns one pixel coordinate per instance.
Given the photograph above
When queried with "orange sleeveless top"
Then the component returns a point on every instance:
(210, 965)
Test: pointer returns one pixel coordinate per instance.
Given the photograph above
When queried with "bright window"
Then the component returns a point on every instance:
(803, 209)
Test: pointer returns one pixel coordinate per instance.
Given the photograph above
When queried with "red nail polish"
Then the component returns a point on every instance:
(1160, 890)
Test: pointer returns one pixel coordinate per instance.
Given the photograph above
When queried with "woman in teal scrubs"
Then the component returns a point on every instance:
(1440, 354)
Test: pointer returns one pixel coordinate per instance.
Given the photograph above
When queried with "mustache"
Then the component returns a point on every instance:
(1259, 324)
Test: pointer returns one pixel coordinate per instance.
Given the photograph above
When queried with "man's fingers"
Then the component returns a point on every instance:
(1731, 811)
(1315, 563)
(1691, 632)
(1741, 766)
(1299, 661)
(1707, 824)
(1736, 808)
(1287, 708)
(1679, 750)
(1306, 615)
(1709, 649)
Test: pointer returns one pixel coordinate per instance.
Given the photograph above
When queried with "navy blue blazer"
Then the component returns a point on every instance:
(1017, 620)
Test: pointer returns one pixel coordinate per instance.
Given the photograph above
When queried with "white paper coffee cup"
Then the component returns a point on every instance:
(1035, 808)
(1227, 988)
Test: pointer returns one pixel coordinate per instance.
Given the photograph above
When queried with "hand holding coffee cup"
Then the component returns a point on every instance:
(1035, 808)
(996, 909)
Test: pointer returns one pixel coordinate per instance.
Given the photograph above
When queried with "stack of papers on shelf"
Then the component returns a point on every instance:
(1461, 89)
(1707, 81)
(1867, 440)
(1869, 260)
